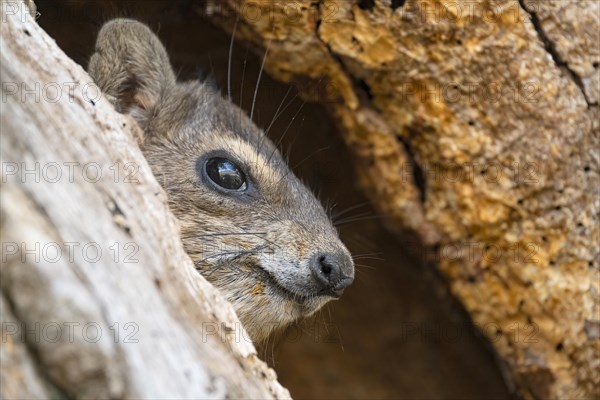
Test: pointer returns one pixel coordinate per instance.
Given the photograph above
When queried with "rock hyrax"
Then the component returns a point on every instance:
(250, 226)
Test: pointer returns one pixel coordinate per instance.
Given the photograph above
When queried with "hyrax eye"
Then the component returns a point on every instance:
(225, 173)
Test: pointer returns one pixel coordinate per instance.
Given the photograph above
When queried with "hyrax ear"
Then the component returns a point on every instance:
(131, 67)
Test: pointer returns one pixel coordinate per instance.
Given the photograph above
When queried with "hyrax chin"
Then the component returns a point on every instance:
(250, 226)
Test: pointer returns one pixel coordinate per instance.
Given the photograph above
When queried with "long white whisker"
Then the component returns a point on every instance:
(354, 207)
(229, 62)
(262, 66)
(286, 130)
(242, 85)
(276, 115)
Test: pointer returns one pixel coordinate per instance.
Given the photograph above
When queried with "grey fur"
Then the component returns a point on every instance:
(256, 251)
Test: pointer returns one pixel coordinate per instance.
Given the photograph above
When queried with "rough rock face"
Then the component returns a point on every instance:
(474, 125)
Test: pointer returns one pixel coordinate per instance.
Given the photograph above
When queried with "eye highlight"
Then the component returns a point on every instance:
(225, 173)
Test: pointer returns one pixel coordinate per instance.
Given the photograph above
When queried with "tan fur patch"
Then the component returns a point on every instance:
(258, 289)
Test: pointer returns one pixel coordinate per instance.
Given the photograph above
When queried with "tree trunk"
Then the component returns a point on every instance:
(474, 125)
(98, 298)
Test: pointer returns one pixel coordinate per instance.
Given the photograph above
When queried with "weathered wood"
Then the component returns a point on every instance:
(99, 299)
(475, 126)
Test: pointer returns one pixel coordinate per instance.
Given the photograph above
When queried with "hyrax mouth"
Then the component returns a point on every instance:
(321, 286)
(271, 282)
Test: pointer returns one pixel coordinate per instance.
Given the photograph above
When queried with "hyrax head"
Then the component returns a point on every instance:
(250, 226)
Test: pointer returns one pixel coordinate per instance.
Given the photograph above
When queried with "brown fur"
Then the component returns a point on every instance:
(255, 249)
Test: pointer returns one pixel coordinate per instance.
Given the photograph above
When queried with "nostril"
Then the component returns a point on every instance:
(330, 273)
(326, 267)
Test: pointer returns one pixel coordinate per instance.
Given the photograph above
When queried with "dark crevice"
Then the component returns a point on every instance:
(444, 285)
(361, 88)
(365, 87)
(397, 3)
(417, 171)
(366, 4)
(551, 49)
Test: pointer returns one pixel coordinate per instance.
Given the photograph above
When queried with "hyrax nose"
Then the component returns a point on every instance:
(333, 273)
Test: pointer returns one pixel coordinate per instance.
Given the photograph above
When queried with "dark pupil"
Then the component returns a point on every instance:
(225, 173)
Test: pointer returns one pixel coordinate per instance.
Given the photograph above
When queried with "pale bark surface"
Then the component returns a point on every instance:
(60, 308)
(474, 125)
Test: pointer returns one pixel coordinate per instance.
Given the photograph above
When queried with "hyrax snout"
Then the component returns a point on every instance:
(249, 225)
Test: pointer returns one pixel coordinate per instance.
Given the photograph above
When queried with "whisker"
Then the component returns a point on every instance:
(291, 101)
(362, 214)
(365, 255)
(368, 258)
(273, 350)
(286, 131)
(266, 240)
(328, 205)
(309, 156)
(288, 152)
(362, 218)
(303, 160)
(364, 266)
(347, 210)
(278, 113)
(237, 254)
(318, 192)
(242, 85)
(323, 320)
(230, 57)
(232, 233)
(212, 67)
(351, 217)
(219, 255)
(368, 254)
(262, 66)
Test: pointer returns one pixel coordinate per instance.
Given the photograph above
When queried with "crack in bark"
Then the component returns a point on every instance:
(551, 49)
